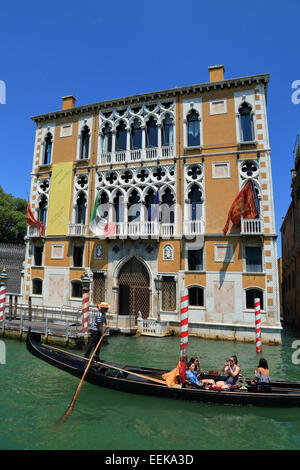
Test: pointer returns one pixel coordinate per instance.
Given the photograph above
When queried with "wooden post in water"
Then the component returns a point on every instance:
(21, 324)
(67, 332)
(29, 309)
(10, 308)
(15, 307)
(46, 329)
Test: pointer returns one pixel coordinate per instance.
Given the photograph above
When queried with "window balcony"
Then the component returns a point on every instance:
(77, 230)
(144, 154)
(137, 229)
(252, 226)
(193, 227)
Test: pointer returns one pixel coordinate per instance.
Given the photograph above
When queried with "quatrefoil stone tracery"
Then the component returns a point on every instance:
(43, 186)
(194, 172)
(249, 169)
(82, 182)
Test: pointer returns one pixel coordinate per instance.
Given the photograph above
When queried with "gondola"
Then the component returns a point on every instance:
(148, 381)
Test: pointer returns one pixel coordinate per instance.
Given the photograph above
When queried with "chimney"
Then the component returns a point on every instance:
(68, 101)
(216, 73)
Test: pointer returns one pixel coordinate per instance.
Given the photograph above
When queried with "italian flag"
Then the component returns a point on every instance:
(99, 225)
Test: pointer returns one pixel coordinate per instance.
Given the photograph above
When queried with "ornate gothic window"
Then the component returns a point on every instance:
(195, 198)
(81, 208)
(246, 122)
(136, 135)
(48, 148)
(168, 198)
(193, 129)
(85, 143)
(118, 208)
(42, 209)
(121, 137)
(151, 132)
(133, 213)
(167, 131)
(107, 139)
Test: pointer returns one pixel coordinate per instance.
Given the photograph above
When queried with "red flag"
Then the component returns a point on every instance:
(243, 206)
(32, 222)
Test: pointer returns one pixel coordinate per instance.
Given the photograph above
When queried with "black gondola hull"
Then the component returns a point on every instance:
(286, 394)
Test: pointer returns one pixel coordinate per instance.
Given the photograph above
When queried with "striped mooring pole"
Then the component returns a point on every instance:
(257, 325)
(184, 323)
(85, 302)
(3, 279)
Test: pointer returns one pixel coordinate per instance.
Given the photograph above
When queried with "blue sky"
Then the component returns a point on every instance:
(101, 50)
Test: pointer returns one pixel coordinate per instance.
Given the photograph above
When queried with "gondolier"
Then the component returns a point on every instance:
(97, 329)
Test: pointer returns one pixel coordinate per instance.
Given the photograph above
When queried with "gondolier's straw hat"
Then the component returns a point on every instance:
(103, 305)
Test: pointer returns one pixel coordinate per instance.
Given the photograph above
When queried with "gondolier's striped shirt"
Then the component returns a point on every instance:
(100, 317)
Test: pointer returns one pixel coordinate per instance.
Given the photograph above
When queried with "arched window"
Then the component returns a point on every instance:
(81, 209)
(48, 148)
(196, 296)
(246, 122)
(42, 209)
(167, 131)
(37, 286)
(136, 135)
(85, 143)
(252, 294)
(195, 198)
(193, 129)
(133, 212)
(107, 139)
(121, 137)
(168, 199)
(150, 202)
(76, 289)
(118, 207)
(151, 133)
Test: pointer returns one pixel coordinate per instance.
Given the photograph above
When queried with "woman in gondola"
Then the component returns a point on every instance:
(233, 372)
(262, 380)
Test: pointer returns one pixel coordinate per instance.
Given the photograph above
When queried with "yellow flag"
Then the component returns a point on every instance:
(59, 200)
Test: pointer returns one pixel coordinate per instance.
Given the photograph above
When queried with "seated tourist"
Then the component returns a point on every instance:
(193, 376)
(233, 369)
(262, 376)
(191, 373)
(196, 361)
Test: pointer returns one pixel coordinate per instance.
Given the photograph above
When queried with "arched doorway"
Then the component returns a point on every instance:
(134, 294)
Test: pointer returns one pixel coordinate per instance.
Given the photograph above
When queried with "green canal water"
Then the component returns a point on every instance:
(33, 396)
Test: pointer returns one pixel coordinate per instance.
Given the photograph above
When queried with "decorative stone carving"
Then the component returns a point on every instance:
(99, 252)
(168, 253)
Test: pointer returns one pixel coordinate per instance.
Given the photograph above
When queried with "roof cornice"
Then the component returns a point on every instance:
(157, 95)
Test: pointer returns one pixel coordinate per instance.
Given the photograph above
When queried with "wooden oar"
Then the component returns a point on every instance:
(133, 373)
(72, 404)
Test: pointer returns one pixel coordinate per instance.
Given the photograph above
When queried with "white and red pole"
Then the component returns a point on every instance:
(85, 312)
(257, 324)
(85, 302)
(3, 278)
(184, 323)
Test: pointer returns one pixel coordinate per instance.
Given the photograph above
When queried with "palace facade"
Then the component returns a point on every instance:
(290, 243)
(190, 149)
